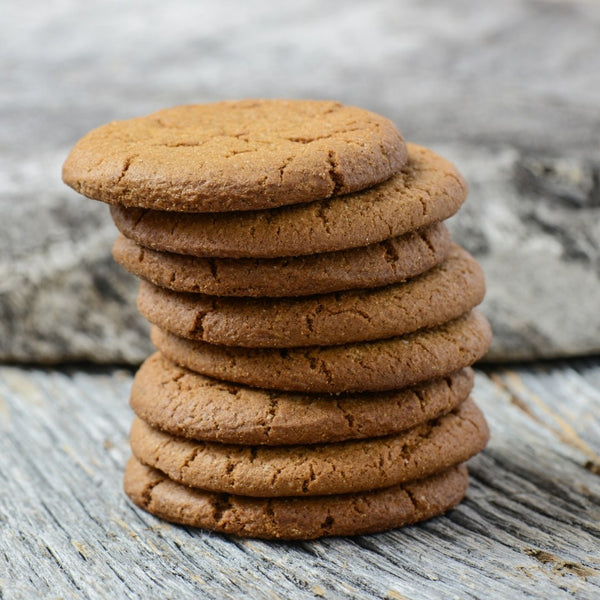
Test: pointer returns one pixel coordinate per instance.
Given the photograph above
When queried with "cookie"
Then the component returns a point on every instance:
(295, 518)
(317, 469)
(360, 367)
(190, 405)
(375, 265)
(427, 190)
(441, 294)
(243, 155)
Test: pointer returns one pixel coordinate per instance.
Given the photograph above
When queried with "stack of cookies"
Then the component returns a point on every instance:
(315, 324)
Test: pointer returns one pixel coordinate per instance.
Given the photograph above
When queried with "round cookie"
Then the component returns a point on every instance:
(383, 263)
(318, 469)
(243, 155)
(366, 366)
(427, 190)
(186, 404)
(439, 295)
(295, 518)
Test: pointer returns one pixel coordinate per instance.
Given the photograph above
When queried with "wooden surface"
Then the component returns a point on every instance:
(529, 527)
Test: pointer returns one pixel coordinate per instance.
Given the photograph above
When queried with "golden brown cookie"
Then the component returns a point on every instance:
(237, 155)
(360, 367)
(375, 265)
(441, 294)
(317, 469)
(427, 190)
(190, 405)
(295, 518)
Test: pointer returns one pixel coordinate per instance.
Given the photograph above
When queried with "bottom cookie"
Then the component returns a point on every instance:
(295, 518)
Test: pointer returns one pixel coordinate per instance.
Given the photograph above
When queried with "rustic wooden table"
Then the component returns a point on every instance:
(529, 527)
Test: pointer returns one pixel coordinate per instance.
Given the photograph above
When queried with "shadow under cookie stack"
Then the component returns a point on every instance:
(314, 322)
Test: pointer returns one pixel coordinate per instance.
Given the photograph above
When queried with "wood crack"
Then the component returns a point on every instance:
(562, 430)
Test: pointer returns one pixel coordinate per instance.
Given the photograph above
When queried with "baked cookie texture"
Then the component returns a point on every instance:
(243, 155)
(428, 189)
(314, 322)
(374, 265)
(360, 367)
(286, 518)
(443, 293)
(186, 404)
(317, 469)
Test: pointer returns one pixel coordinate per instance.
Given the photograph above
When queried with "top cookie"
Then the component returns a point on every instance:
(236, 155)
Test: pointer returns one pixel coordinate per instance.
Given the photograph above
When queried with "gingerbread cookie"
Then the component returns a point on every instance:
(317, 469)
(375, 265)
(367, 366)
(441, 294)
(295, 518)
(427, 190)
(190, 405)
(244, 155)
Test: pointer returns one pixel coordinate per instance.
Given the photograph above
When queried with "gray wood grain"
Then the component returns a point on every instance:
(529, 527)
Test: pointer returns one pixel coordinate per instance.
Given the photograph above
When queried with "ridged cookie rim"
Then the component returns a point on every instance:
(379, 264)
(427, 190)
(318, 469)
(441, 294)
(186, 404)
(295, 518)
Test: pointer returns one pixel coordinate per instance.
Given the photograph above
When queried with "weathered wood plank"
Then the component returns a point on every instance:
(529, 527)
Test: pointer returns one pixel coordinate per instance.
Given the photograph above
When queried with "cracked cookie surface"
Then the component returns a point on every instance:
(370, 266)
(235, 155)
(295, 518)
(428, 189)
(186, 404)
(359, 367)
(443, 293)
(317, 469)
